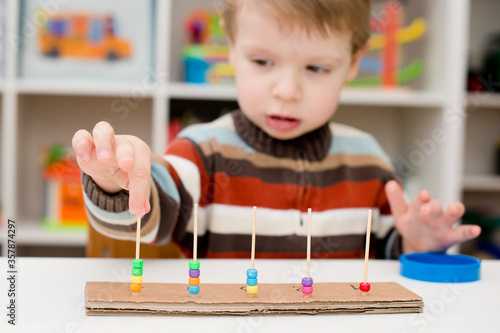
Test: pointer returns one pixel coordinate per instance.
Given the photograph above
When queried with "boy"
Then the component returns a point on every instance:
(279, 153)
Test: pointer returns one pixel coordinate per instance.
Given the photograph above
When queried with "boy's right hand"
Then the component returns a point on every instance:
(116, 162)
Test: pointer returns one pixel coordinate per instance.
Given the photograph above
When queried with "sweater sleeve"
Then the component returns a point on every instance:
(175, 185)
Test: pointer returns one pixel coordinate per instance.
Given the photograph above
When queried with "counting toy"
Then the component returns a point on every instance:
(194, 265)
(113, 298)
(307, 282)
(137, 263)
(365, 286)
(252, 272)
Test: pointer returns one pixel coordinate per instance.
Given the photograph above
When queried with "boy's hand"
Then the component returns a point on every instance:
(424, 225)
(116, 162)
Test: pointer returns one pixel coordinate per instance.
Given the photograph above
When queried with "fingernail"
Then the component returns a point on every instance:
(85, 157)
(135, 211)
(103, 154)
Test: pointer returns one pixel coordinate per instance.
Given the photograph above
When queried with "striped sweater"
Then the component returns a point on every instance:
(230, 165)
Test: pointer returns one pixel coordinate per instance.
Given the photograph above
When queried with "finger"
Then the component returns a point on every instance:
(464, 233)
(432, 208)
(422, 198)
(125, 155)
(397, 202)
(139, 178)
(104, 137)
(455, 211)
(82, 145)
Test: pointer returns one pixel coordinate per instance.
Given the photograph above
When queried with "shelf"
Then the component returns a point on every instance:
(80, 88)
(398, 97)
(30, 232)
(378, 97)
(484, 100)
(183, 90)
(487, 183)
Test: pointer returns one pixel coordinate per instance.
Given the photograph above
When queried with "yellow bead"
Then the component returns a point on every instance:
(252, 289)
(136, 279)
(194, 281)
(135, 287)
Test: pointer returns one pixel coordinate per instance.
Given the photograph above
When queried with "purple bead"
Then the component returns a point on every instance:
(307, 281)
(194, 273)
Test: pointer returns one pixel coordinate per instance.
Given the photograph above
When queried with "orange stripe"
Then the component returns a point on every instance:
(245, 191)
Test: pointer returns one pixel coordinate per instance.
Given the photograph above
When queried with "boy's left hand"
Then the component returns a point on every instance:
(424, 225)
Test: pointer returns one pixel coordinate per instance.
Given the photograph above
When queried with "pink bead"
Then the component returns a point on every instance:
(364, 287)
(307, 290)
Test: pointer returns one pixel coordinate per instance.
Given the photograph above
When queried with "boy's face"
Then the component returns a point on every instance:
(288, 82)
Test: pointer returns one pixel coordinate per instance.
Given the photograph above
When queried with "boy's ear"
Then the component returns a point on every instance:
(355, 61)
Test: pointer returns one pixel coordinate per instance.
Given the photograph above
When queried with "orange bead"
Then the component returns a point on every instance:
(194, 281)
(135, 288)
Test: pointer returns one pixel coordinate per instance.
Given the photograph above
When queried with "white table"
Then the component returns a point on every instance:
(51, 297)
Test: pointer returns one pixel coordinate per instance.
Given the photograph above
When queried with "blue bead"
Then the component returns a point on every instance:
(193, 289)
(252, 273)
(251, 281)
(307, 281)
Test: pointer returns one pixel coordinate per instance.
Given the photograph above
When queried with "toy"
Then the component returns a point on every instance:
(388, 38)
(365, 286)
(137, 263)
(64, 206)
(194, 265)
(112, 298)
(206, 51)
(307, 282)
(82, 35)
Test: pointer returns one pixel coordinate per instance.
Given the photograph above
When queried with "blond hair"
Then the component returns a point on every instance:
(323, 16)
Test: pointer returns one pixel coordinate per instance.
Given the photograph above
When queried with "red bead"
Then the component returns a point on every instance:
(364, 287)
(307, 290)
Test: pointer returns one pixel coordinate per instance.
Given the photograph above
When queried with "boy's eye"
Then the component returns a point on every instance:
(262, 62)
(317, 69)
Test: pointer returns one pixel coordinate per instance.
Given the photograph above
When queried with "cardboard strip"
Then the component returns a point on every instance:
(115, 298)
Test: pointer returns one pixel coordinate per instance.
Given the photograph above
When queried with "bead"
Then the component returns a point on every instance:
(194, 273)
(135, 287)
(136, 279)
(307, 290)
(307, 281)
(137, 263)
(252, 289)
(252, 273)
(251, 282)
(194, 264)
(194, 281)
(193, 289)
(364, 287)
(137, 271)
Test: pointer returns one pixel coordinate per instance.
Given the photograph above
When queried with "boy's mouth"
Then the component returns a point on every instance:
(282, 123)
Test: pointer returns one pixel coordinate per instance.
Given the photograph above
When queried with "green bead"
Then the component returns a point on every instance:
(137, 271)
(137, 263)
(194, 264)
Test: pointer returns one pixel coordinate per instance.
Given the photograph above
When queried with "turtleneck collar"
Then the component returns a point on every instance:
(312, 146)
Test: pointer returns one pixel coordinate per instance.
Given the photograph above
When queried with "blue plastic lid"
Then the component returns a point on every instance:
(440, 267)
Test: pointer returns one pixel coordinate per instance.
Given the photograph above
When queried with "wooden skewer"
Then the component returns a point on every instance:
(253, 235)
(138, 238)
(195, 232)
(367, 246)
(309, 242)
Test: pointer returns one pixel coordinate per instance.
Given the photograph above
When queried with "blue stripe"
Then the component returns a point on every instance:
(357, 146)
(165, 180)
(224, 136)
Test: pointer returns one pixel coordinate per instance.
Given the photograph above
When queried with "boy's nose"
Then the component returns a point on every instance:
(287, 87)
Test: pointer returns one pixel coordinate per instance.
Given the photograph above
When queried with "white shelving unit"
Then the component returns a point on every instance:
(411, 123)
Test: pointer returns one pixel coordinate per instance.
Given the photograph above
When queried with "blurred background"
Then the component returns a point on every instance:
(427, 90)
